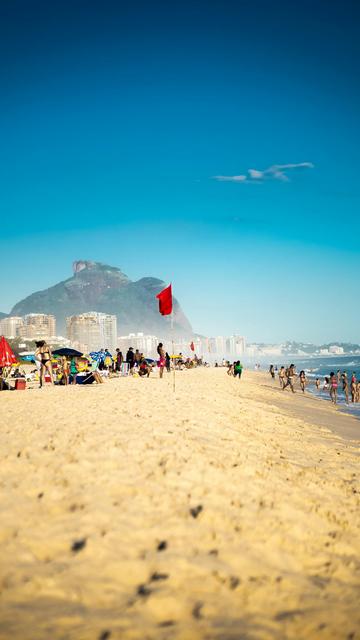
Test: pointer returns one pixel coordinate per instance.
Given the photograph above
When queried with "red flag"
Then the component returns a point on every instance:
(7, 356)
(165, 301)
(192, 347)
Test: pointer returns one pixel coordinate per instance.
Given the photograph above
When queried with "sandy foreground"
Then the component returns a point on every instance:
(131, 512)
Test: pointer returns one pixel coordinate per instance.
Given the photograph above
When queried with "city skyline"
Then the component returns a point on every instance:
(204, 145)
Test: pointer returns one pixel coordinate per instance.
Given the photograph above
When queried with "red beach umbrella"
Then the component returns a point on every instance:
(7, 356)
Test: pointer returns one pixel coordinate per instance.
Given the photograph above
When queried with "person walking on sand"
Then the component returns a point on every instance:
(290, 374)
(230, 370)
(333, 387)
(272, 371)
(302, 378)
(162, 360)
(43, 353)
(345, 386)
(238, 369)
(282, 377)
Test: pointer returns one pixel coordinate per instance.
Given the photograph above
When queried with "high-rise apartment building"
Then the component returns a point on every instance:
(146, 344)
(236, 345)
(9, 327)
(38, 326)
(92, 331)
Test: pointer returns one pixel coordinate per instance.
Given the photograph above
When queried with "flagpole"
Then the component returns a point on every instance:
(172, 342)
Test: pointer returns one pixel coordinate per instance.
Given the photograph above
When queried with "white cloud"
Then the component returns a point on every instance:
(255, 174)
(230, 178)
(275, 172)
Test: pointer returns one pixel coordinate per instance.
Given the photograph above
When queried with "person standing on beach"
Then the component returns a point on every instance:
(282, 377)
(118, 360)
(43, 353)
(290, 374)
(162, 360)
(302, 378)
(333, 387)
(272, 371)
(65, 370)
(353, 386)
(167, 362)
(130, 359)
(345, 386)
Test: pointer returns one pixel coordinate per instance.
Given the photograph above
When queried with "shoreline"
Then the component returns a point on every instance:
(313, 409)
(213, 512)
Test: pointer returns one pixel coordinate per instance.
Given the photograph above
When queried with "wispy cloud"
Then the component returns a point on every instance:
(275, 172)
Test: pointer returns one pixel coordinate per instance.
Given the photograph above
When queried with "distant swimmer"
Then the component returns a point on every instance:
(302, 378)
(345, 386)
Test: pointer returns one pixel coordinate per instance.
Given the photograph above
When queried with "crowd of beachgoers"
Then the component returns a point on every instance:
(69, 367)
(331, 383)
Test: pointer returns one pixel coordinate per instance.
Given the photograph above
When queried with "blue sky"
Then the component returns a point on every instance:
(115, 120)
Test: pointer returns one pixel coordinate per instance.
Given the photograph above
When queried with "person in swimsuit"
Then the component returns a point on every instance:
(290, 375)
(272, 371)
(282, 376)
(353, 387)
(317, 384)
(230, 370)
(162, 360)
(333, 387)
(302, 378)
(345, 386)
(65, 370)
(43, 353)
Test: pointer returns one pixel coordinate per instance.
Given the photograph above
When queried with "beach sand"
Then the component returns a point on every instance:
(218, 512)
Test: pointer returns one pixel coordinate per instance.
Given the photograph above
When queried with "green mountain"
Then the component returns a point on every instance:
(99, 287)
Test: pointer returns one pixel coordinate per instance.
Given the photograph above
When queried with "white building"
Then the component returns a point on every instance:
(92, 331)
(334, 348)
(236, 345)
(146, 344)
(9, 327)
(38, 326)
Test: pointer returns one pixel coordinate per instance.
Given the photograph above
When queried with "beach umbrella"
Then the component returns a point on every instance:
(7, 356)
(68, 353)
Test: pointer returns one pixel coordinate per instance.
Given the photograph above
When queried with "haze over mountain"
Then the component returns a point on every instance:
(99, 287)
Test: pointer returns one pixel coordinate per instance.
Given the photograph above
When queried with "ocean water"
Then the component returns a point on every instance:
(321, 366)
